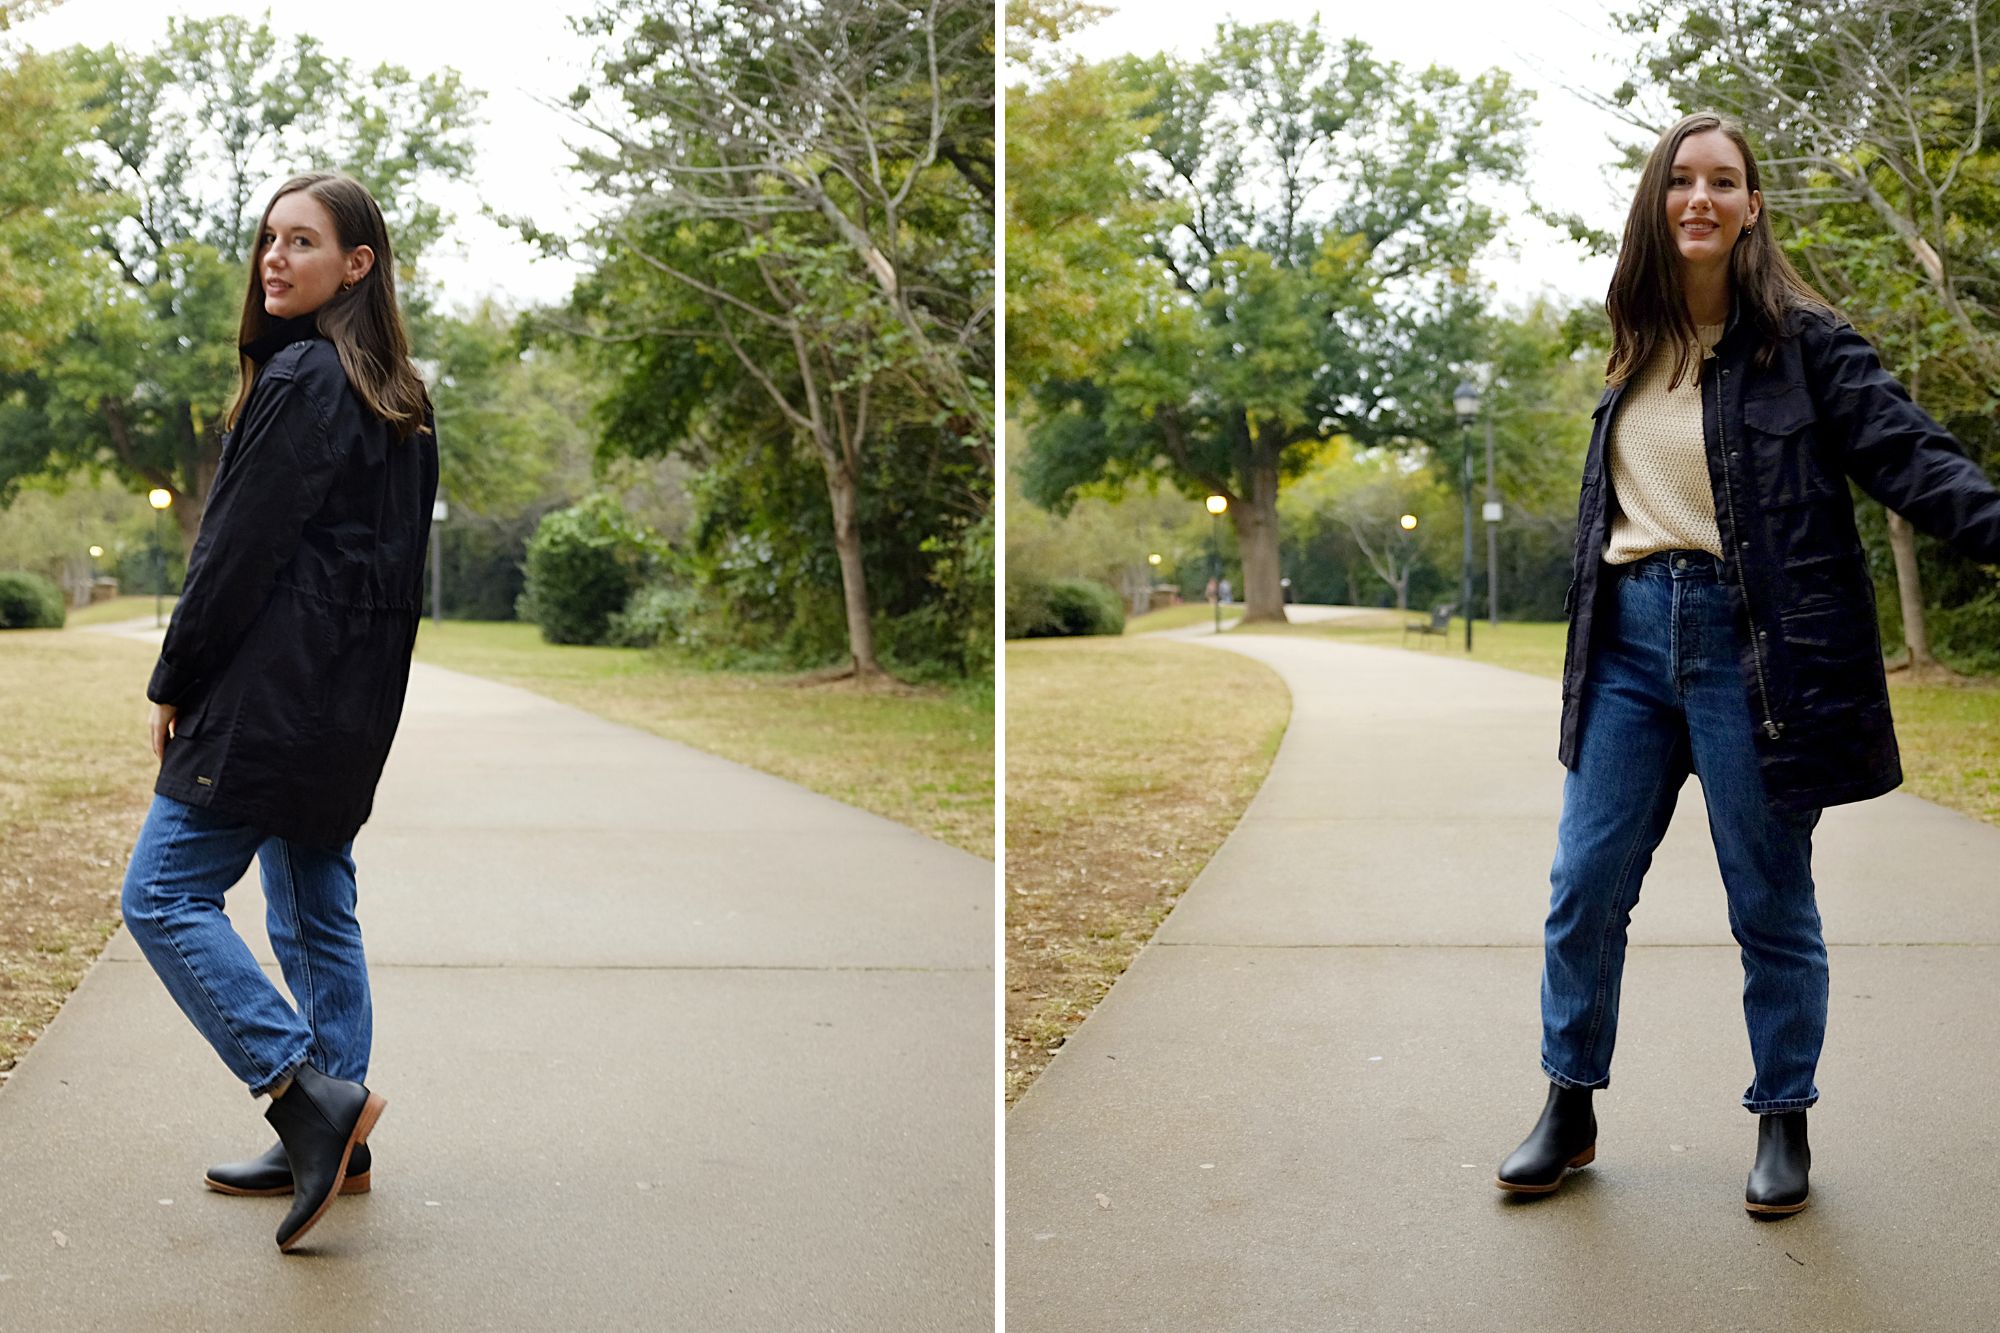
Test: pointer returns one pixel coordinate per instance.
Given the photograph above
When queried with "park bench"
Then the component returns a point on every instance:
(1438, 624)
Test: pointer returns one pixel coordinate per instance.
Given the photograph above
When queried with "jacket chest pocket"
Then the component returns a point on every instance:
(1781, 439)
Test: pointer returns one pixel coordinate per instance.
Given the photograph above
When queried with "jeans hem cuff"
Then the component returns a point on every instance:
(1780, 1108)
(287, 1070)
(1566, 1081)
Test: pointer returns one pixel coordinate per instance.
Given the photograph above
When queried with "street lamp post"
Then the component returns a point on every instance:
(439, 512)
(1465, 398)
(1492, 533)
(1217, 505)
(160, 498)
(1408, 523)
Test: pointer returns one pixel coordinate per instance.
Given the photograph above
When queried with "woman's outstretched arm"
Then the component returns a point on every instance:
(1896, 451)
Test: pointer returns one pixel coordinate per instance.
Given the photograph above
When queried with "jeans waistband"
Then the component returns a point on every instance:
(1674, 564)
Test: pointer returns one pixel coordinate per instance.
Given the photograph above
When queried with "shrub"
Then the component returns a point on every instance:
(1028, 615)
(1967, 637)
(29, 601)
(652, 617)
(583, 563)
(1062, 607)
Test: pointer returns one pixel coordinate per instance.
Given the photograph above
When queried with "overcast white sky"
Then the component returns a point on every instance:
(514, 54)
(1569, 165)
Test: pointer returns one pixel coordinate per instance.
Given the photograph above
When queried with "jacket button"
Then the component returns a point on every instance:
(1743, 546)
(1736, 453)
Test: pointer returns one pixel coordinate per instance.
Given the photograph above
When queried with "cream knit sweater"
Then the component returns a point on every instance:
(1659, 469)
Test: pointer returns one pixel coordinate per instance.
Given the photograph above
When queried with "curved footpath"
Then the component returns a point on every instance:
(1288, 1112)
(668, 1044)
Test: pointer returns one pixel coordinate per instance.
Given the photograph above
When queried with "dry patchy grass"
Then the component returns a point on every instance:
(1128, 762)
(76, 777)
(922, 756)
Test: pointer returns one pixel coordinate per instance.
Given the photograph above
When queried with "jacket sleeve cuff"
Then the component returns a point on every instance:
(168, 685)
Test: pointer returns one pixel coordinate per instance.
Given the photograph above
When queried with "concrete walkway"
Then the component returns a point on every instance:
(668, 1044)
(1287, 1114)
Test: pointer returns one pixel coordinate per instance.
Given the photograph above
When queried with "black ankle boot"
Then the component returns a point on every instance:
(1565, 1137)
(1777, 1185)
(320, 1121)
(272, 1174)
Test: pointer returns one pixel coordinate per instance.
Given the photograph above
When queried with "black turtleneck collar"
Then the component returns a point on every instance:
(281, 335)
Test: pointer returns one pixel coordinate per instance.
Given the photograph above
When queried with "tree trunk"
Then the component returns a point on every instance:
(207, 458)
(187, 513)
(1910, 593)
(845, 494)
(1403, 592)
(1257, 542)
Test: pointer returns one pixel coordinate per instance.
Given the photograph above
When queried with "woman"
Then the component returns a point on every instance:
(1724, 624)
(280, 684)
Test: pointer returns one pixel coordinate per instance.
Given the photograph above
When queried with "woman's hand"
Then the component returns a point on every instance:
(160, 723)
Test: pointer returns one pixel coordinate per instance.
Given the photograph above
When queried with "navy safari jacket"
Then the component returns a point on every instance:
(1782, 442)
(289, 651)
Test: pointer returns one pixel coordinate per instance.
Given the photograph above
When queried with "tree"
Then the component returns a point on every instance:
(185, 136)
(798, 247)
(1313, 274)
(1367, 494)
(46, 210)
(1078, 212)
(1876, 123)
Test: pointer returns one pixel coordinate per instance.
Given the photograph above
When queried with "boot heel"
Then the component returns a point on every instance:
(1584, 1158)
(365, 1126)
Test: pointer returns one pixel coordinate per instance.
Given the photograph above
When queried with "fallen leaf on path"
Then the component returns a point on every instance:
(1103, 1201)
(62, 1241)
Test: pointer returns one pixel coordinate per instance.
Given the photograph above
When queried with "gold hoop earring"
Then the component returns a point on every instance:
(347, 286)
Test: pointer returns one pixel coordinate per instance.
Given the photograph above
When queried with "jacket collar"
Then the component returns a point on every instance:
(281, 335)
(1735, 319)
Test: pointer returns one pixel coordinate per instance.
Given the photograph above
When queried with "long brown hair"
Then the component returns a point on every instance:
(1646, 303)
(363, 321)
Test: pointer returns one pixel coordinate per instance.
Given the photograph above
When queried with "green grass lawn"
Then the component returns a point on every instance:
(1535, 647)
(1949, 733)
(1178, 617)
(117, 609)
(1128, 762)
(922, 756)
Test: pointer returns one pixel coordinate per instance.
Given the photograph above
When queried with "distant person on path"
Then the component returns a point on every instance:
(1225, 593)
(1724, 624)
(281, 682)
(1213, 592)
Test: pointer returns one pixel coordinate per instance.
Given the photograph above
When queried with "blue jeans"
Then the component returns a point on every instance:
(1663, 697)
(185, 861)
